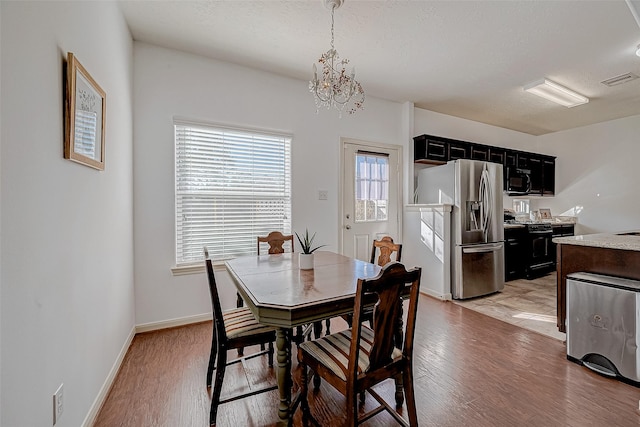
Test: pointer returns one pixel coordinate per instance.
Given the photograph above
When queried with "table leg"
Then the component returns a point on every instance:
(283, 344)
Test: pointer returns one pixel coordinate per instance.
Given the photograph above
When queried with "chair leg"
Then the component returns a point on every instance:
(212, 358)
(410, 395)
(240, 303)
(270, 354)
(399, 392)
(215, 396)
(317, 330)
(352, 409)
(304, 388)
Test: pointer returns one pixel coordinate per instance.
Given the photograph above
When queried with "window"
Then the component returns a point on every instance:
(231, 186)
(372, 187)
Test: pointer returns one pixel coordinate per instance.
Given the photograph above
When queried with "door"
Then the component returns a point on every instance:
(371, 196)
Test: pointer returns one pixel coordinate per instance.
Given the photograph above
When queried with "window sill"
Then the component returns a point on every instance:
(186, 269)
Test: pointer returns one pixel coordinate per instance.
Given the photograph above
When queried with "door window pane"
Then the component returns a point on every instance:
(372, 187)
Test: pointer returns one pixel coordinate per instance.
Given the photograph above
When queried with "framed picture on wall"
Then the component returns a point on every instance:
(545, 213)
(85, 109)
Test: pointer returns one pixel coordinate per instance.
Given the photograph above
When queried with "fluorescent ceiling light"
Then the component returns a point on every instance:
(556, 93)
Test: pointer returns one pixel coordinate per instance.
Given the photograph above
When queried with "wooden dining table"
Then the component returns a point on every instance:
(280, 294)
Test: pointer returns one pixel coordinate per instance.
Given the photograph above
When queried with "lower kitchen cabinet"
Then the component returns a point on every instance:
(514, 252)
(561, 230)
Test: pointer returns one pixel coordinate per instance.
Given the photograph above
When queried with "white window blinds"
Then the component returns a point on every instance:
(231, 186)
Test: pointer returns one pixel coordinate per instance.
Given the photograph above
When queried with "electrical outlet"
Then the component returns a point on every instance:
(323, 194)
(58, 404)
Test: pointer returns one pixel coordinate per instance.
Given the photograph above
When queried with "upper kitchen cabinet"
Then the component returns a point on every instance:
(428, 149)
(431, 149)
(459, 150)
(548, 175)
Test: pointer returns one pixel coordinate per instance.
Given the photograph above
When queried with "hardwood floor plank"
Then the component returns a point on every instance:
(470, 370)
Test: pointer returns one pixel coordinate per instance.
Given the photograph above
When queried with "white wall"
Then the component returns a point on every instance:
(597, 170)
(169, 83)
(67, 248)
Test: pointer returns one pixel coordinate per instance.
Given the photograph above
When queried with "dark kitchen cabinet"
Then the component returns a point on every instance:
(480, 152)
(535, 166)
(459, 150)
(430, 149)
(561, 230)
(548, 176)
(437, 150)
(510, 159)
(496, 155)
(514, 252)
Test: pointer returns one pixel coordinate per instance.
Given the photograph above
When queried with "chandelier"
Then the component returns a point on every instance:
(335, 88)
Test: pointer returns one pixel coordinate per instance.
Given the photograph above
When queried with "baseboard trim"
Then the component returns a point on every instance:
(146, 327)
(104, 391)
(172, 323)
(429, 292)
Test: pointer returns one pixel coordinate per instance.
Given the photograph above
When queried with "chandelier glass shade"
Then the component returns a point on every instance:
(334, 86)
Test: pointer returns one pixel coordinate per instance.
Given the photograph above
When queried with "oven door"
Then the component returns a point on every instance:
(541, 255)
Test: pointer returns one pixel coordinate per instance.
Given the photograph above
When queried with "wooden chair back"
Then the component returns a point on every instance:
(386, 248)
(393, 282)
(276, 241)
(220, 334)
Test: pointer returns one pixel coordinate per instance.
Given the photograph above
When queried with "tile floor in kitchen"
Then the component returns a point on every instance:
(530, 304)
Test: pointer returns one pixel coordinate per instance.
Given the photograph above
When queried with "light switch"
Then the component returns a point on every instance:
(323, 194)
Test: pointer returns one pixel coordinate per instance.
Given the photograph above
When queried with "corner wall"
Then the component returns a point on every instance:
(66, 270)
(597, 175)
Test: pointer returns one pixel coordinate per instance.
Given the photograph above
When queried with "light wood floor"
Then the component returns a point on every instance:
(530, 304)
(470, 370)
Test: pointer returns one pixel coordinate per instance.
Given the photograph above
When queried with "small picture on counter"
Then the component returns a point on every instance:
(545, 213)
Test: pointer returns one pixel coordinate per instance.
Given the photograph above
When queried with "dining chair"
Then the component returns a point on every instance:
(358, 358)
(276, 241)
(232, 329)
(384, 249)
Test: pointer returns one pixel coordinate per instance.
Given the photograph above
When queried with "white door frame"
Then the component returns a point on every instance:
(368, 146)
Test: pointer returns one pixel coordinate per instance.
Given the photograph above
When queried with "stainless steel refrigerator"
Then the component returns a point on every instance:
(474, 188)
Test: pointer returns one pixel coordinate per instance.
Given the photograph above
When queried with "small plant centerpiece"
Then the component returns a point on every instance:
(306, 244)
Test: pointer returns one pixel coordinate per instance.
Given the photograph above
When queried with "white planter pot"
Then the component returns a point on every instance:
(305, 261)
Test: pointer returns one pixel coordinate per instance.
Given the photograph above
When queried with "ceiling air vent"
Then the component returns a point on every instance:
(618, 80)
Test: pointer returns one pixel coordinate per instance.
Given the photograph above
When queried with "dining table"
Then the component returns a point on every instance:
(281, 294)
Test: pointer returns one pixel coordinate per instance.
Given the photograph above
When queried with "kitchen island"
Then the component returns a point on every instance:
(609, 254)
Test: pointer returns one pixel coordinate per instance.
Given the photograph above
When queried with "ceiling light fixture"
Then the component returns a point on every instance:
(552, 91)
(335, 88)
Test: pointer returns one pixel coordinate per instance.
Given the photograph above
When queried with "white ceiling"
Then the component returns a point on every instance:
(468, 59)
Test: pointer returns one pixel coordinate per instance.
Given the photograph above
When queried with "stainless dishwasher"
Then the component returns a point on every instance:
(602, 325)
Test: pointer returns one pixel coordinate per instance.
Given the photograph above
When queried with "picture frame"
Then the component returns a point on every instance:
(85, 115)
(545, 213)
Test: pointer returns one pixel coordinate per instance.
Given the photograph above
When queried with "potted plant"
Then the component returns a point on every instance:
(305, 259)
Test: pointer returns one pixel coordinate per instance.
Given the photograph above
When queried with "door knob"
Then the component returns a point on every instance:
(348, 227)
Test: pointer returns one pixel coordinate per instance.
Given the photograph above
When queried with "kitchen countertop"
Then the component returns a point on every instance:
(523, 224)
(603, 240)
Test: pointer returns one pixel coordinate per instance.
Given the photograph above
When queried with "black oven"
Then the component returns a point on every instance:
(541, 252)
(517, 181)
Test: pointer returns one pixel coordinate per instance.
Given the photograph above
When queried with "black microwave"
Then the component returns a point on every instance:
(517, 181)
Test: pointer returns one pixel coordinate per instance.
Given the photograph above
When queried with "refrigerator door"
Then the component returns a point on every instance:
(479, 270)
(477, 213)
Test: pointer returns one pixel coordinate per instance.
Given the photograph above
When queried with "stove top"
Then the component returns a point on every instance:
(539, 227)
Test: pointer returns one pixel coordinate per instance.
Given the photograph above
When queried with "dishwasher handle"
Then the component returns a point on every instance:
(479, 249)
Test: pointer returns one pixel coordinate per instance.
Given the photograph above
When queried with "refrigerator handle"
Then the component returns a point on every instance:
(478, 249)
